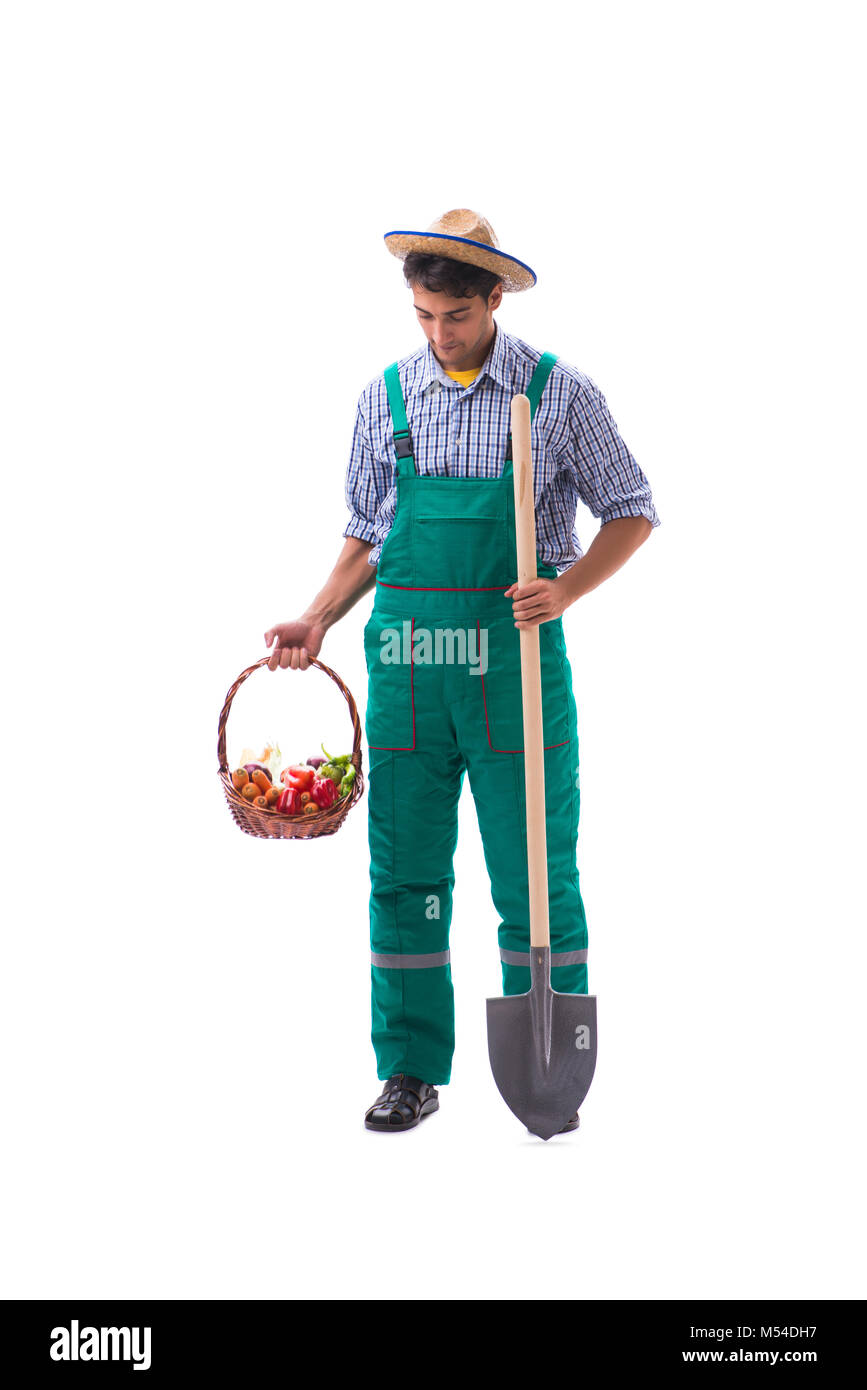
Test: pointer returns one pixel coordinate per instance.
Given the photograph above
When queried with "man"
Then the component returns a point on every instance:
(430, 492)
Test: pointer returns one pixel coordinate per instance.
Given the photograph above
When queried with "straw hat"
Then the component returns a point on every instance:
(462, 235)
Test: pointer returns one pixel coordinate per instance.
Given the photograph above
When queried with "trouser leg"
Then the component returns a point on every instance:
(413, 824)
(498, 787)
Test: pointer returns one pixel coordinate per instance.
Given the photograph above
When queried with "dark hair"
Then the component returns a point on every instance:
(444, 276)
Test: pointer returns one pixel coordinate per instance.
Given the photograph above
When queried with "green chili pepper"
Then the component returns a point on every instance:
(347, 781)
(333, 769)
(343, 761)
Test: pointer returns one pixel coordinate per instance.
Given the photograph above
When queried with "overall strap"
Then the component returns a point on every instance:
(540, 376)
(535, 389)
(402, 436)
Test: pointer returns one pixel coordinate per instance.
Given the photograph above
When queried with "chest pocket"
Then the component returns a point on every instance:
(460, 499)
(459, 531)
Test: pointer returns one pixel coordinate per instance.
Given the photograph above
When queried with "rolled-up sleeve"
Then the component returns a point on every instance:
(362, 497)
(608, 479)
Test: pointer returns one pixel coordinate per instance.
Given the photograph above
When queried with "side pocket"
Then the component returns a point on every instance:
(389, 720)
(502, 705)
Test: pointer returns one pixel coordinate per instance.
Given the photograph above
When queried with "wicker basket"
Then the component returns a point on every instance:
(274, 825)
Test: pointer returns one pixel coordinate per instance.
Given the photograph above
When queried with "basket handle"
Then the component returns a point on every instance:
(355, 758)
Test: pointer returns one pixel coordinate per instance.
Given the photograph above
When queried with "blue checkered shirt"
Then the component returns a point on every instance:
(463, 432)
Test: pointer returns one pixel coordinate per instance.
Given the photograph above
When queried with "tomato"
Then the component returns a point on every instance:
(299, 777)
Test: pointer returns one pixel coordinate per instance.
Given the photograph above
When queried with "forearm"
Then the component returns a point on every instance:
(611, 547)
(351, 577)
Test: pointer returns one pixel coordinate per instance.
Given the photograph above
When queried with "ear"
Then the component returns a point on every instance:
(495, 298)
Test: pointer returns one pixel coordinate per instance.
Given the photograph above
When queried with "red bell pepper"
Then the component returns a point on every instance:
(290, 802)
(324, 792)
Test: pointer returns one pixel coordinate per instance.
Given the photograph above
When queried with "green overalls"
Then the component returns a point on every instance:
(444, 698)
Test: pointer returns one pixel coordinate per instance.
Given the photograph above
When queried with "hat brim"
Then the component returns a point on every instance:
(514, 274)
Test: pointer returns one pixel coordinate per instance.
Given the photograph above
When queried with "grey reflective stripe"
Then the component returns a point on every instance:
(557, 958)
(410, 962)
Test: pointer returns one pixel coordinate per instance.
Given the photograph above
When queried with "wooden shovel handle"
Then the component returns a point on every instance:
(531, 677)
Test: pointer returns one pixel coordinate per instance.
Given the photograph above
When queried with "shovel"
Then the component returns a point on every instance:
(542, 1045)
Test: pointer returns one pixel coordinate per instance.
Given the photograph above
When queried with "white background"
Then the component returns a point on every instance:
(195, 291)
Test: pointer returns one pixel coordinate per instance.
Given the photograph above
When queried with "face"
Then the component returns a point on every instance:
(460, 331)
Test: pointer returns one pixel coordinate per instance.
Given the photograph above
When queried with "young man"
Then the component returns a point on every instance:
(430, 492)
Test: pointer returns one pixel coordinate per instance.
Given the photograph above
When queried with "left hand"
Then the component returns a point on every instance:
(537, 602)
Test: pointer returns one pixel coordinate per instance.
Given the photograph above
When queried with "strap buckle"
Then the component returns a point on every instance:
(403, 444)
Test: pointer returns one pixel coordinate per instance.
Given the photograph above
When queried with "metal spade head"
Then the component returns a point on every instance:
(542, 1047)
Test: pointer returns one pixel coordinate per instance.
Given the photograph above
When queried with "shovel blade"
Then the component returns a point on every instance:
(542, 1047)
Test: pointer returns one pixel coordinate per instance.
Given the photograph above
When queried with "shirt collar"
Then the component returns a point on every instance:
(495, 365)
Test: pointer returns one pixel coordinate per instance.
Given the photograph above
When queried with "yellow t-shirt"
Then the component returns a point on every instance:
(463, 378)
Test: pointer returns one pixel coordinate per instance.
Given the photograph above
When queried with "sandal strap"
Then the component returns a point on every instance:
(405, 1094)
(413, 1086)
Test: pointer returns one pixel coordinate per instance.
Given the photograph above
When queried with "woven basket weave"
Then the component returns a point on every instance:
(274, 825)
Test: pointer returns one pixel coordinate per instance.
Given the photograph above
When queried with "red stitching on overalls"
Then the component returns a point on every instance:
(385, 747)
(487, 725)
(441, 589)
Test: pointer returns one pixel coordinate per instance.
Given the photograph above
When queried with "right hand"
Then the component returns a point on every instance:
(296, 643)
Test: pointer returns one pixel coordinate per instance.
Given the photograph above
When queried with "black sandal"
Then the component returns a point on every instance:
(404, 1102)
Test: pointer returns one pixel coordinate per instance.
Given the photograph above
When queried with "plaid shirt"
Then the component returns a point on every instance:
(463, 432)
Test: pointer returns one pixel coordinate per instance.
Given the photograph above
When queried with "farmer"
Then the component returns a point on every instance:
(432, 529)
